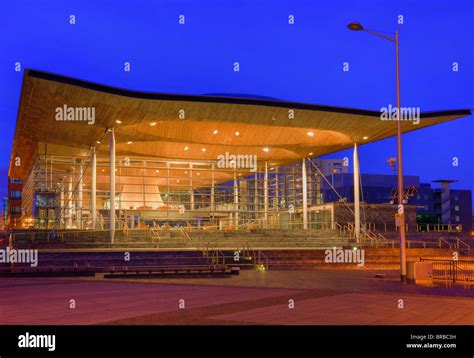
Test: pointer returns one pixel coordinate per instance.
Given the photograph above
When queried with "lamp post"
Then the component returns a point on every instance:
(355, 26)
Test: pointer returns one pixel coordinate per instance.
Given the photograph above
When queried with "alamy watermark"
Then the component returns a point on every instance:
(391, 113)
(239, 161)
(345, 256)
(79, 114)
(28, 340)
(19, 256)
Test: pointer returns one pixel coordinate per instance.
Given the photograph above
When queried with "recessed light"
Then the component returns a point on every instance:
(310, 134)
(310, 153)
(266, 149)
(118, 121)
(177, 180)
(364, 138)
(185, 172)
(197, 174)
(215, 131)
(129, 142)
(152, 124)
(157, 171)
(186, 148)
(237, 133)
(203, 149)
(98, 142)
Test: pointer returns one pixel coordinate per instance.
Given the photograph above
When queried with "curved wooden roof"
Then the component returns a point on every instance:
(150, 124)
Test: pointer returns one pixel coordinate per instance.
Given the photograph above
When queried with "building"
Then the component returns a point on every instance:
(375, 188)
(4, 219)
(431, 203)
(14, 216)
(108, 158)
(445, 205)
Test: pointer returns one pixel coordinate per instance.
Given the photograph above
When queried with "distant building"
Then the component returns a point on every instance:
(447, 206)
(15, 189)
(435, 205)
(4, 219)
(376, 188)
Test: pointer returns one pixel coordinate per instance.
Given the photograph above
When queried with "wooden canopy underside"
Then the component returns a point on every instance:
(152, 125)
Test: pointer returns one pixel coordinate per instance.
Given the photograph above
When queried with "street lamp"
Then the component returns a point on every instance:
(355, 26)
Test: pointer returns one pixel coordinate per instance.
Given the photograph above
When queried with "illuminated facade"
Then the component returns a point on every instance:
(113, 159)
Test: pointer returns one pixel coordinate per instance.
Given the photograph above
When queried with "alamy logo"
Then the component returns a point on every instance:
(240, 161)
(37, 341)
(390, 113)
(19, 256)
(80, 114)
(346, 256)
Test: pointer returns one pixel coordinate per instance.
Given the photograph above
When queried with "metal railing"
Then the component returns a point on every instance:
(216, 256)
(452, 271)
(462, 246)
(256, 255)
(439, 227)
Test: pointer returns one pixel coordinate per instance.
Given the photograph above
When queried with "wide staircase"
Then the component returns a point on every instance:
(262, 239)
(247, 249)
(181, 239)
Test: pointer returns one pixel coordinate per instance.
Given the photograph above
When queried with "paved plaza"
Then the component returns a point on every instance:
(271, 297)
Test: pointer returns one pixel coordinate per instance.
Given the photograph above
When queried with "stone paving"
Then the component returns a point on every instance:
(270, 297)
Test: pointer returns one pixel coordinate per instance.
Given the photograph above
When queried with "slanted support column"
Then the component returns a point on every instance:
(236, 201)
(79, 200)
(94, 190)
(255, 198)
(51, 172)
(265, 195)
(61, 203)
(191, 190)
(144, 183)
(277, 191)
(69, 201)
(213, 199)
(112, 185)
(305, 194)
(168, 189)
(356, 193)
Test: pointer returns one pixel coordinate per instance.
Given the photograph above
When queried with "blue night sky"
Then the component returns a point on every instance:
(301, 62)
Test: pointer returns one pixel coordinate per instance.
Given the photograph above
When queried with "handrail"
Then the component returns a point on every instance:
(265, 257)
(459, 241)
(379, 238)
(441, 240)
(389, 241)
(467, 275)
(256, 254)
(155, 233)
(453, 266)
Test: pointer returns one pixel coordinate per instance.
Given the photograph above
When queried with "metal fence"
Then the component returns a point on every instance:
(452, 270)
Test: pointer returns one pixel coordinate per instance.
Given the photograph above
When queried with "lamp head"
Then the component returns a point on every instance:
(355, 26)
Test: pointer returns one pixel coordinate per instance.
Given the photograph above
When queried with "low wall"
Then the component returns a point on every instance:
(382, 215)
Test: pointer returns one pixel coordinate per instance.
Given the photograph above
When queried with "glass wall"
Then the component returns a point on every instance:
(152, 192)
